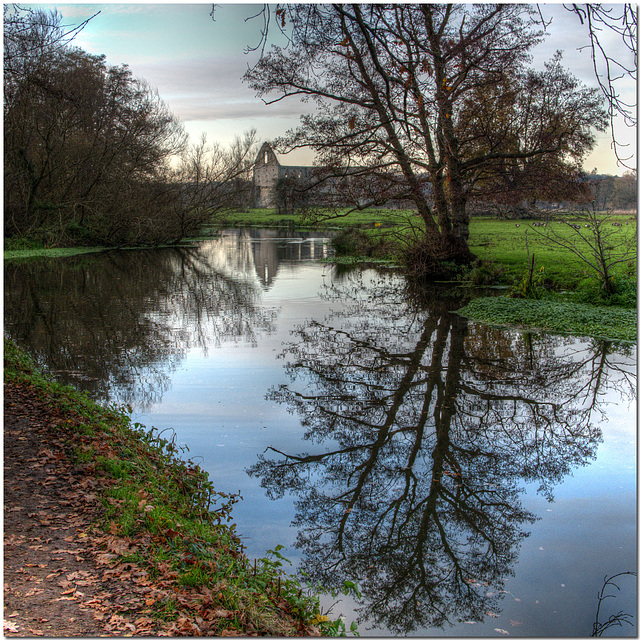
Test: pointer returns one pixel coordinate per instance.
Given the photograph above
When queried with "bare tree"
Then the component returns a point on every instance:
(598, 240)
(29, 36)
(211, 179)
(609, 66)
(84, 141)
(414, 94)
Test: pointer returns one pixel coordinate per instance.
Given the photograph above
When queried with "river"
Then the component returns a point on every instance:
(472, 481)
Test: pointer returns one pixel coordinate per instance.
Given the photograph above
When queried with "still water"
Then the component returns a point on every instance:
(471, 481)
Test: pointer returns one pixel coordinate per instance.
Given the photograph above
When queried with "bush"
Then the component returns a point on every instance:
(624, 293)
(484, 273)
(355, 242)
(432, 258)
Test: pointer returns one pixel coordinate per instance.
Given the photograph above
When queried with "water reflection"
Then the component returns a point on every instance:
(425, 429)
(421, 429)
(260, 252)
(118, 324)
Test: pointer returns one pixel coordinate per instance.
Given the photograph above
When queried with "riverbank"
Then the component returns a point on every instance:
(504, 249)
(108, 531)
(502, 246)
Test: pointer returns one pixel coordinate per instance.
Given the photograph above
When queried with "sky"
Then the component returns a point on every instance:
(197, 63)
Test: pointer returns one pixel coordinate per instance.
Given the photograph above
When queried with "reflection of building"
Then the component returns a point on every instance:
(258, 253)
(266, 173)
(272, 246)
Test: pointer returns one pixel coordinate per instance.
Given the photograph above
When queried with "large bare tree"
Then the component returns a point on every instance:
(434, 100)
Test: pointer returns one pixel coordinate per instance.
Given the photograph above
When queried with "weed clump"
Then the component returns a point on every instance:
(483, 273)
(356, 242)
(625, 293)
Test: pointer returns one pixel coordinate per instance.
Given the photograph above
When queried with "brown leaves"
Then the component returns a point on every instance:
(75, 574)
(121, 546)
(120, 625)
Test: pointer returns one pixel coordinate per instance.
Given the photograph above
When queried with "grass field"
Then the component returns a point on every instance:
(270, 217)
(504, 243)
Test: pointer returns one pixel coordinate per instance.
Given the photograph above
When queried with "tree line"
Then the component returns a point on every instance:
(615, 192)
(92, 155)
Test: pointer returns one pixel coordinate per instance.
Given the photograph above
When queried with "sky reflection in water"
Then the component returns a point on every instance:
(471, 480)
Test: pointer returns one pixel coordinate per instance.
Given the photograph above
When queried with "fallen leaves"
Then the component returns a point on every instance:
(10, 627)
(76, 575)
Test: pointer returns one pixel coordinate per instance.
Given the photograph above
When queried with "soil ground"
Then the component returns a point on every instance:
(59, 580)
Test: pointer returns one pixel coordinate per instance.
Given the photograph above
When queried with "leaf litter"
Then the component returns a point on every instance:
(64, 575)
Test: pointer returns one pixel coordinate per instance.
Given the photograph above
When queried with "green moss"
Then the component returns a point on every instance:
(615, 323)
(22, 254)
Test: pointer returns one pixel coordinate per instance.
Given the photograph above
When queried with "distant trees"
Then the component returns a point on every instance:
(91, 153)
(607, 192)
(436, 101)
(625, 191)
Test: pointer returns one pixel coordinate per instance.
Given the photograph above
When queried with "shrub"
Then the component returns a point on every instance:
(484, 273)
(624, 293)
(431, 258)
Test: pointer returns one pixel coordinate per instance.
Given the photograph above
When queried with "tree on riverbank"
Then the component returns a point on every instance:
(92, 155)
(435, 101)
(84, 141)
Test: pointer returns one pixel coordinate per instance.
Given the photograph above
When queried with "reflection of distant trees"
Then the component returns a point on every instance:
(429, 426)
(119, 322)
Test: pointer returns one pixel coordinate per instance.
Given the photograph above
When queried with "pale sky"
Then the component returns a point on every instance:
(197, 65)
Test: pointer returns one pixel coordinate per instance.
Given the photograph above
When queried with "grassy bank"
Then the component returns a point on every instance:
(19, 254)
(169, 521)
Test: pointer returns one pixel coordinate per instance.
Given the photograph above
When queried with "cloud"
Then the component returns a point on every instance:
(207, 108)
(211, 89)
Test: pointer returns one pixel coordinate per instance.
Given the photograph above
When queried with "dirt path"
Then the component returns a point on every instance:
(59, 579)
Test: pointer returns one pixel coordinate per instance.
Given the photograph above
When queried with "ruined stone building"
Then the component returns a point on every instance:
(267, 171)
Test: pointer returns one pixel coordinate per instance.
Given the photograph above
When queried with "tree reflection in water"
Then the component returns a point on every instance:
(431, 426)
(118, 324)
